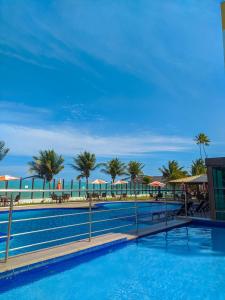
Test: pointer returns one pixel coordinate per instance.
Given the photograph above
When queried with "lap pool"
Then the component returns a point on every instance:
(34, 229)
(183, 263)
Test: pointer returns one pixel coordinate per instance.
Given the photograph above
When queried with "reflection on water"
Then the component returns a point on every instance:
(191, 240)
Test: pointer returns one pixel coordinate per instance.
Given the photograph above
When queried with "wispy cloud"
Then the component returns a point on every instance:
(24, 140)
(126, 42)
(19, 113)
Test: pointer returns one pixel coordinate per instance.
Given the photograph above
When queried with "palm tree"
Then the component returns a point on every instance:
(198, 167)
(134, 169)
(85, 163)
(202, 140)
(173, 171)
(114, 168)
(47, 164)
(3, 150)
(146, 179)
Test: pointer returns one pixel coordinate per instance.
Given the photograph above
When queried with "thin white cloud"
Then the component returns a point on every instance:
(19, 113)
(25, 140)
(128, 42)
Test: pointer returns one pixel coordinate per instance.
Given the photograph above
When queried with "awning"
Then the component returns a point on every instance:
(198, 179)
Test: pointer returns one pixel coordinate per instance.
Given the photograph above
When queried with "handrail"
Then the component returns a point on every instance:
(66, 215)
(66, 226)
(66, 238)
(83, 213)
(128, 215)
(84, 190)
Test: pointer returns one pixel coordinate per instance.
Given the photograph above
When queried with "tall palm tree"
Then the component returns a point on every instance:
(173, 171)
(134, 169)
(114, 168)
(85, 163)
(3, 150)
(47, 164)
(202, 140)
(198, 167)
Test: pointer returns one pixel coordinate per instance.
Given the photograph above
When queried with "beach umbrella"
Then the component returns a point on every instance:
(157, 184)
(120, 182)
(8, 178)
(99, 181)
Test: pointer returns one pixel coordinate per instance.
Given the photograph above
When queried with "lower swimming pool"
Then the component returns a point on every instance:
(34, 229)
(183, 263)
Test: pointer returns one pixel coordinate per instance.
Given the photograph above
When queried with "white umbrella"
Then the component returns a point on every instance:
(99, 181)
(120, 182)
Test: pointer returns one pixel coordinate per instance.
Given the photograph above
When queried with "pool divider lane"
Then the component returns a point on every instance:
(40, 258)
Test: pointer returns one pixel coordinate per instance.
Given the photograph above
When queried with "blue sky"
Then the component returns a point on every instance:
(134, 79)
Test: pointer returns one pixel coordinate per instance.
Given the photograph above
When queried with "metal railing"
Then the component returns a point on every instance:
(131, 218)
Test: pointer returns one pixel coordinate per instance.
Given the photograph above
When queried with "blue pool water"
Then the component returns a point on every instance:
(71, 218)
(184, 263)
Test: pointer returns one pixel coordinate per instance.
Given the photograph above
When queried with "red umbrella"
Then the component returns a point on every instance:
(157, 184)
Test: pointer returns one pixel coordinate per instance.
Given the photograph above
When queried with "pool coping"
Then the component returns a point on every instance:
(36, 259)
(84, 204)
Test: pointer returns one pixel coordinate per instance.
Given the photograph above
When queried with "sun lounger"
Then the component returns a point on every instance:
(123, 196)
(4, 200)
(200, 206)
(104, 195)
(66, 197)
(56, 198)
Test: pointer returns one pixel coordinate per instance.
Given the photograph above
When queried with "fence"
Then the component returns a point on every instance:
(30, 230)
(38, 188)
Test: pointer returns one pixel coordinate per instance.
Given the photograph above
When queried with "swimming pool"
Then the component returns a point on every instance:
(184, 263)
(119, 215)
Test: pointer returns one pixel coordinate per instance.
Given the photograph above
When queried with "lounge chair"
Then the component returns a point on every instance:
(17, 199)
(66, 197)
(182, 210)
(104, 195)
(58, 199)
(123, 196)
(205, 207)
(199, 207)
(95, 195)
(4, 200)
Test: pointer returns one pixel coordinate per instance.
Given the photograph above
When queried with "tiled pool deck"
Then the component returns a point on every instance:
(39, 258)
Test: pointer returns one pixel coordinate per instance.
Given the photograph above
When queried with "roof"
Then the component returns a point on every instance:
(158, 178)
(191, 179)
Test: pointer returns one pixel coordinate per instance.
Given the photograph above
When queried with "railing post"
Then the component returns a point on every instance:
(9, 229)
(90, 209)
(166, 209)
(136, 207)
(79, 188)
(6, 186)
(32, 187)
(185, 203)
(20, 187)
(43, 193)
(71, 187)
(90, 219)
